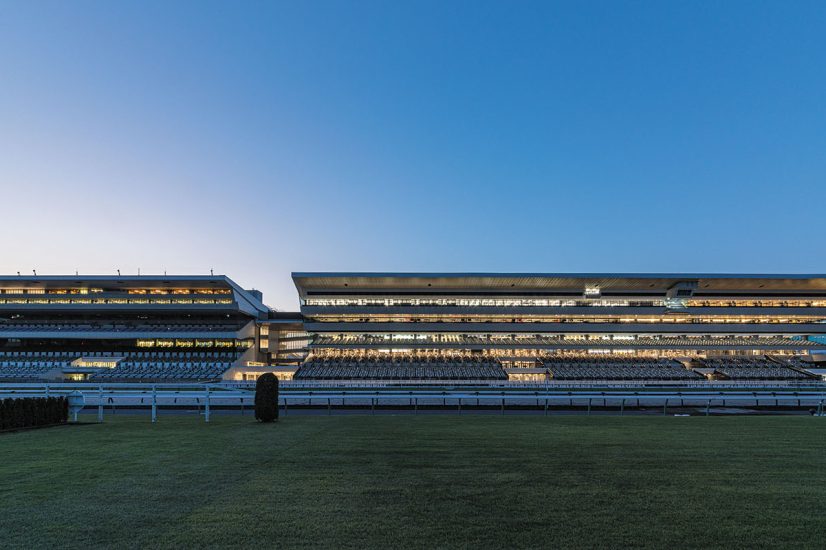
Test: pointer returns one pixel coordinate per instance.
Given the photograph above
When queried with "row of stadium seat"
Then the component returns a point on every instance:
(27, 371)
(178, 355)
(793, 361)
(38, 355)
(160, 371)
(700, 341)
(752, 368)
(86, 327)
(590, 368)
(21, 366)
(419, 367)
(405, 368)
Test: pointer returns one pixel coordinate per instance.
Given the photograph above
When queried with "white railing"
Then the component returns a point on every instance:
(530, 385)
(204, 397)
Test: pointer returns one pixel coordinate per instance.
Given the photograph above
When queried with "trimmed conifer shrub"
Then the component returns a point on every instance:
(33, 411)
(53, 410)
(266, 398)
(28, 412)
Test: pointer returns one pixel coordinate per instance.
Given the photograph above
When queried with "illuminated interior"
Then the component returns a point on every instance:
(671, 323)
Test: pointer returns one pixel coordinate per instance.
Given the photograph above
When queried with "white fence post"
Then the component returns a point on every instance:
(100, 404)
(154, 405)
(206, 406)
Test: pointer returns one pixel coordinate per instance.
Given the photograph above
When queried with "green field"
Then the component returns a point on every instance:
(425, 482)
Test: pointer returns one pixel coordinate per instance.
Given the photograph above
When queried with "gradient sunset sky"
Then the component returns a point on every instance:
(260, 138)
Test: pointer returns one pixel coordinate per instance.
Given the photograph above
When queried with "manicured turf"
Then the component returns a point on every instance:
(426, 482)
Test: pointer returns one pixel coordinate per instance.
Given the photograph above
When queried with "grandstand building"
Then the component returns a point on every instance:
(562, 327)
(417, 328)
(138, 329)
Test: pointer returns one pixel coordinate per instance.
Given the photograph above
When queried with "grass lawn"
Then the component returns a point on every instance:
(425, 482)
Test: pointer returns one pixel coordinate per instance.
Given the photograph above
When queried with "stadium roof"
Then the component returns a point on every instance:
(247, 300)
(515, 282)
(125, 281)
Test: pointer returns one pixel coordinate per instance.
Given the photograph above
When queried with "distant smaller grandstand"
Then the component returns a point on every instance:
(128, 328)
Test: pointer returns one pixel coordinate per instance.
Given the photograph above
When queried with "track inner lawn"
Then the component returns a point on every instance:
(417, 481)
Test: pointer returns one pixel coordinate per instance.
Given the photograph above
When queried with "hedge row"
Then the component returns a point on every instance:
(33, 411)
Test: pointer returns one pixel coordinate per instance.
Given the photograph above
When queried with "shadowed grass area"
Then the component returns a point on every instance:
(423, 482)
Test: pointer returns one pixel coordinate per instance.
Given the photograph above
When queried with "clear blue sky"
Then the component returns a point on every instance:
(260, 138)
